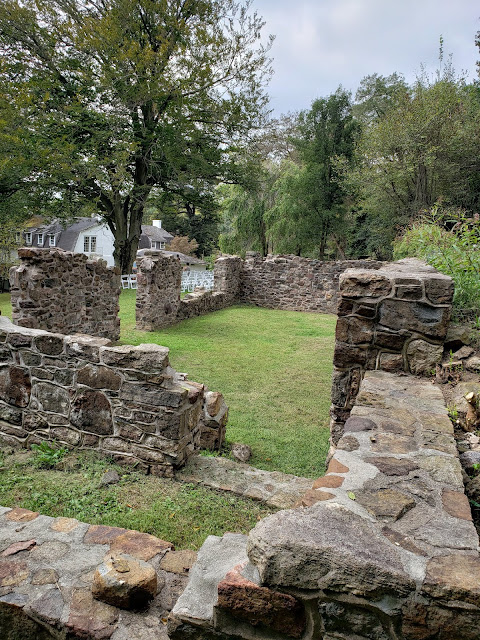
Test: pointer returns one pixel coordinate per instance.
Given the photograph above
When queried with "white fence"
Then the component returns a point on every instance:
(190, 280)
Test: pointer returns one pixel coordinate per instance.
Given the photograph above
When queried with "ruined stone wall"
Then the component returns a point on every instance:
(295, 283)
(123, 401)
(158, 294)
(65, 292)
(382, 547)
(393, 319)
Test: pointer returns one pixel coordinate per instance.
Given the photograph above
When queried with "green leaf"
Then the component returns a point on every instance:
(351, 495)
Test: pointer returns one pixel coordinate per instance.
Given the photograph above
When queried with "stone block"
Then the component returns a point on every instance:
(98, 377)
(50, 345)
(417, 316)
(391, 362)
(15, 385)
(439, 289)
(153, 395)
(124, 581)
(91, 411)
(423, 356)
(146, 357)
(346, 355)
(361, 284)
(454, 577)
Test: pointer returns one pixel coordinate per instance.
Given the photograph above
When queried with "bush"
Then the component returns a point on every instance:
(450, 242)
(48, 455)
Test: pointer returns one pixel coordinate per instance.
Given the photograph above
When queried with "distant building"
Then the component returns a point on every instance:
(90, 236)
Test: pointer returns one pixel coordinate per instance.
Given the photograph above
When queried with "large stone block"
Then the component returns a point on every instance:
(145, 357)
(415, 316)
(15, 385)
(91, 411)
(52, 397)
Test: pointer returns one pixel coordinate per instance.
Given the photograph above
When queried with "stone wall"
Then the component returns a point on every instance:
(65, 292)
(158, 294)
(294, 283)
(382, 547)
(124, 401)
(393, 319)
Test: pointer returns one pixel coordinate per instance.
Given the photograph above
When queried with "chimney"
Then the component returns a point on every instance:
(157, 223)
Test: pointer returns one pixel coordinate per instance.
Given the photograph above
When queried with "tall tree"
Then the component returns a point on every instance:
(127, 97)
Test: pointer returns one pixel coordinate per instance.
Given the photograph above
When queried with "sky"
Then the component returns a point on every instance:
(321, 44)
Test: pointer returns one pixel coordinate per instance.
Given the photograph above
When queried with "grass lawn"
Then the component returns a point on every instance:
(274, 369)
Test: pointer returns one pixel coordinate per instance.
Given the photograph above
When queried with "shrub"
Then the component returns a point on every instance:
(449, 241)
(48, 455)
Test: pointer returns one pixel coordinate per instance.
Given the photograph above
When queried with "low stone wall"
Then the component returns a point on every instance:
(123, 401)
(384, 548)
(48, 567)
(65, 292)
(158, 294)
(295, 283)
(394, 319)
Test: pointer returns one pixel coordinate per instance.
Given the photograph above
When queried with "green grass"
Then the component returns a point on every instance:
(274, 369)
(184, 514)
(5, 305)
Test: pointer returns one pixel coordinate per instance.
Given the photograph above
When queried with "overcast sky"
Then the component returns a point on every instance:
(321, 44)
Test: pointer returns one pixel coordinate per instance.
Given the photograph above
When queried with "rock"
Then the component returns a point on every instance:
(179, 562)
(124, 581)
(423, 356)
(213, 402)
(15, 385)
(463, 353)
(109, 477)
(12, 573)
(469, 459)
(18, 514)
(140, 545)
(393, 466)
(355, 424)
(16, 547)
(456, 504)
(454, 577)
(385, 504)
(89, 618)
(245, 600)
(473, 364)
(91, 411)
(98, 377)
(457, 336)
(241, 452)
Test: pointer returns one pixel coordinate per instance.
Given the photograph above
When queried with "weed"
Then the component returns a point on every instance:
(452, 412)
(47, 454)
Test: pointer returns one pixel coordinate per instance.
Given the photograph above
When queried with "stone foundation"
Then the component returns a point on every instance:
(394, 319)
(82, 392)
(64, 292)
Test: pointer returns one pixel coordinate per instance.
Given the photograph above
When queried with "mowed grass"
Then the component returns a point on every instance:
(5, 305)
(184, 514)
(273, 368)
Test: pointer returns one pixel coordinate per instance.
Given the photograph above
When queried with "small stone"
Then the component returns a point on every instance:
(470, 458)
(355, 424)
(214, 401)
(473, 364)
(390, 443)
(456, 504)
(45, 576)
(337, 467)
(64, 525)
(463, 353)
(385, 504)
(241, 452)
(109, 477)
(179, 562)
(21, 515)
(142, 546)
(16, 547)
(312, 496)
(393, 466)
(124, 581)
(348, 443)
(330, 482)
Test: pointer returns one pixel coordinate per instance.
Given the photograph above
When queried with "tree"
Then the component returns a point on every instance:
(131, 97)
(183, 245)
(310, 205)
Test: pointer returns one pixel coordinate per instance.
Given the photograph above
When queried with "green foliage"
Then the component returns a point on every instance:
(123, 99)
(48, 454)
(454, 252)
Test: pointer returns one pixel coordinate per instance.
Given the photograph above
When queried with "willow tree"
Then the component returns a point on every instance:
(126, 97)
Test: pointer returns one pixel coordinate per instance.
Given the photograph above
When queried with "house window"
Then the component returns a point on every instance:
(40, 239)
(90, 244)
(28, 237)
(51, 240)
(18, 237)
(156, 244)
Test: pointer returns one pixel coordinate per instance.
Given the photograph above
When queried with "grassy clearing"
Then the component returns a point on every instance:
(274, 369)
(180, 513)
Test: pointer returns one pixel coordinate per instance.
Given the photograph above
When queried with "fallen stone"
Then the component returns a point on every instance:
(109, 477)
(473, 364)
(463, 353)
(469, 459)
(241, 452)
(124, 581)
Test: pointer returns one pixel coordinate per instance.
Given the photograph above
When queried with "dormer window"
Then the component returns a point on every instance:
(40, 239)
(51, 240)
(28, 237)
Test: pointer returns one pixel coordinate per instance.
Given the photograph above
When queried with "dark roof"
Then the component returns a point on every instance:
(156, 233)
(52, 228)
(68, 237)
